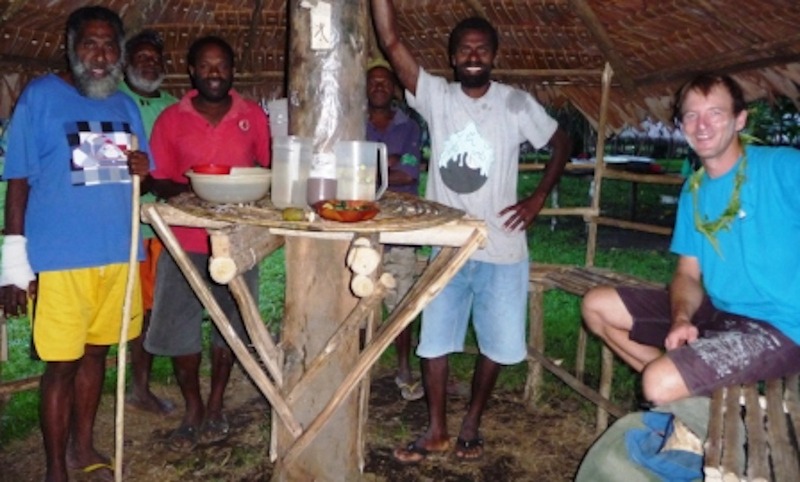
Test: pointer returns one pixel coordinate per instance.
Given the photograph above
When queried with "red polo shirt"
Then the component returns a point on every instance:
(183, 138)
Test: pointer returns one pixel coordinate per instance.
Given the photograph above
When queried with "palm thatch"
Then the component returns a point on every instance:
(555, 49)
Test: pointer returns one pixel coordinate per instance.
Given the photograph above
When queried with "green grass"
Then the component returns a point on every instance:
(565, 244)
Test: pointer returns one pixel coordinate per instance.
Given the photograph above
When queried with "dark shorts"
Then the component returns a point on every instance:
(731, 349)
(175, 324)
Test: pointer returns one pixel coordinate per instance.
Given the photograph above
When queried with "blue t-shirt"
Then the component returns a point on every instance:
(756, 272)
(71, 149)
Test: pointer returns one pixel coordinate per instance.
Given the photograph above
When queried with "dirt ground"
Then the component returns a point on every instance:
(520, 446)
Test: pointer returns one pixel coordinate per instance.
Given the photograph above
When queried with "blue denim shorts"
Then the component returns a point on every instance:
(496, 295)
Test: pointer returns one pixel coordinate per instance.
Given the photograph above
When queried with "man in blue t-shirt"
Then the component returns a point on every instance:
(732, 314)
(67, 226)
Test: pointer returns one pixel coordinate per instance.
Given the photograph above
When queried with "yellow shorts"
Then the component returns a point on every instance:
(147, 270)
(74, 308)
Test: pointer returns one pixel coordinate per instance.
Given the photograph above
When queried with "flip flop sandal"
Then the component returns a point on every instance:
(215, 430)
(469, 450)
(183, 439)
(410, 391)
(93, 471)
(413, 454)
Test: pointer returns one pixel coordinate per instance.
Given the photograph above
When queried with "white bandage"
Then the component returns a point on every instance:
(14, 267)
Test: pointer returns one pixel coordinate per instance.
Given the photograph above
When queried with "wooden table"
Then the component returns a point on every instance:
(241, 236)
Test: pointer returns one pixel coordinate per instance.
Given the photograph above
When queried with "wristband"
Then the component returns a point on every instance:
(14, 267)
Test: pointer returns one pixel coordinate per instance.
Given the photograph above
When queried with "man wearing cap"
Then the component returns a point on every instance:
(144, 73)
(388, 124)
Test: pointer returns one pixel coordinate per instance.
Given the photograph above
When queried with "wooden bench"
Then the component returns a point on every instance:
(768, 448)
(576, 280)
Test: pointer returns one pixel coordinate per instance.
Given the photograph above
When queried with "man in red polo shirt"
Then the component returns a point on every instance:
(210, 124)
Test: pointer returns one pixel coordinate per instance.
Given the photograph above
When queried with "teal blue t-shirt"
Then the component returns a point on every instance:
(756, 272)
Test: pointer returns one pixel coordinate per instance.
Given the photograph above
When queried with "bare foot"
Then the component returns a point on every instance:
(95, 466)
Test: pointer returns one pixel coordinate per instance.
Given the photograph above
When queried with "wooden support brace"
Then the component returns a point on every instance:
(220, 320)
(536, 341)
(439, 272)
(262, 340)
(364, 308)
(576, 384)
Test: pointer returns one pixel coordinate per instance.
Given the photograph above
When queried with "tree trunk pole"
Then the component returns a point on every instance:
(327, 103)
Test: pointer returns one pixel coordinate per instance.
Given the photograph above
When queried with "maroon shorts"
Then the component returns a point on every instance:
(731, 349)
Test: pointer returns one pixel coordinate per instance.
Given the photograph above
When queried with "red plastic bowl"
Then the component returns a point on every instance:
(211, 169)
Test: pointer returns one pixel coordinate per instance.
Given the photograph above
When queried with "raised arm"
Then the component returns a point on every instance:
(403, 62)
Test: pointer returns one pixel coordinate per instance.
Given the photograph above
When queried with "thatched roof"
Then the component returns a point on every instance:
(553, 48)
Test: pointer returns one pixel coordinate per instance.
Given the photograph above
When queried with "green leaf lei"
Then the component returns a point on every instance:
(708, 227)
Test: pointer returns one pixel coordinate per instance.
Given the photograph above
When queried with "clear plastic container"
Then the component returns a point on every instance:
(291, 161)
(357, 164)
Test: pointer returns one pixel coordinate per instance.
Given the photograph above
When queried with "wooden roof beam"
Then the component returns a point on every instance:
(598, 32)
(11, 8)
(476, 6)
(728, 66)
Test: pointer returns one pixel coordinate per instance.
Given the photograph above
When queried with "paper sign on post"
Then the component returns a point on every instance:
(321, 30)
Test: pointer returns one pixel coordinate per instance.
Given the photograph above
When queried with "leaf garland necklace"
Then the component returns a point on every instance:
(710, 228)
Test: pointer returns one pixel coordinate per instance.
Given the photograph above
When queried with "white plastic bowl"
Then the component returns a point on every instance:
(242, 185)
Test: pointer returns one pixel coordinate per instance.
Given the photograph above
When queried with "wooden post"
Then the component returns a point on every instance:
(327, 102)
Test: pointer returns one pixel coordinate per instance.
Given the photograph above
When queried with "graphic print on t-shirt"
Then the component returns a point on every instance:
(465, 161)
(98, 152)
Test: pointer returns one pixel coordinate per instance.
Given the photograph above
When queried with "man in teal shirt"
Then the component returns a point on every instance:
(144, 73)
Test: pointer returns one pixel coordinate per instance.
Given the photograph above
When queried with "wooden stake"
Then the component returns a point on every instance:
(126, 320)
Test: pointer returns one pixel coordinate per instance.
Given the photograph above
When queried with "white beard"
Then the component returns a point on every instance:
(140, 82)
(94, 89)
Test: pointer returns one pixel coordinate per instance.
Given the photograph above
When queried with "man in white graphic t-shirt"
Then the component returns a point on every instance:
(476, 128)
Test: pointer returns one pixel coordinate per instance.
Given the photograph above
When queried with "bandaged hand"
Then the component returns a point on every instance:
(14, 267)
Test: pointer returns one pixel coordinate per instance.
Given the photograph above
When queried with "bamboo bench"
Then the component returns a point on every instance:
(576, 280)
(767, 450)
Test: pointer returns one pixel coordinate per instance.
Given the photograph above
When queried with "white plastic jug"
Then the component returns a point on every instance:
(357, 165)
(291, 161)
